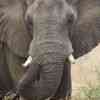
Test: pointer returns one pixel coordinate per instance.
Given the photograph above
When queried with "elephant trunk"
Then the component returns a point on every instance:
(50, 57)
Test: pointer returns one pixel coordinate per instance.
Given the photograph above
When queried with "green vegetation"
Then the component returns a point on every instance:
(90, 92)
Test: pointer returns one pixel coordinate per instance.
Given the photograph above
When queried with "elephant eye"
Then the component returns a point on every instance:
(29, 2)
(29, 23)
(72, 2)
(69, 1)
(70, 19)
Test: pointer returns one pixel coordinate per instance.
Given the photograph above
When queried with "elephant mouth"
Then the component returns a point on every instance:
(71, 59)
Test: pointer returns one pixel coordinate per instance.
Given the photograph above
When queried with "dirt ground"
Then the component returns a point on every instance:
(84, 71)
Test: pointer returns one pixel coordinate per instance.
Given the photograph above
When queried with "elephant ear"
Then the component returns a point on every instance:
(85, 34)
(13, 28)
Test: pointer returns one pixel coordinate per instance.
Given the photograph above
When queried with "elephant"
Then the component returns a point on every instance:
(48, 75)
(19, 23)
(83, 34)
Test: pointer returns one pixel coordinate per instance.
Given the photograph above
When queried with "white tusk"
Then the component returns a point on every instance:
(27, 62)
(71, 59)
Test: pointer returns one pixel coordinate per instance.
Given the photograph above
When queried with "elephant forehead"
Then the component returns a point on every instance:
(55, 9)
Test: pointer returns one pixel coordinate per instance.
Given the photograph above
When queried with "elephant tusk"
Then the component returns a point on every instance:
(27, 62)
(71, 59)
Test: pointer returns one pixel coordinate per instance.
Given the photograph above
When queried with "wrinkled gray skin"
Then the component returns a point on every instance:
(49, 50)
(49, 30)
(84, 34)
(14, 42)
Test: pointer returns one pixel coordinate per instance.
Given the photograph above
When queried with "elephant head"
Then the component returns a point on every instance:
(85, 33)
(15, 31)
(50, 21)
(49, 41)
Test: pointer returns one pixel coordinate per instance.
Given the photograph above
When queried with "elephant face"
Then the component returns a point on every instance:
(50, 20)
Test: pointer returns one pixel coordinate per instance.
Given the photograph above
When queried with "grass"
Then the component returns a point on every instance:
(90, 92)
